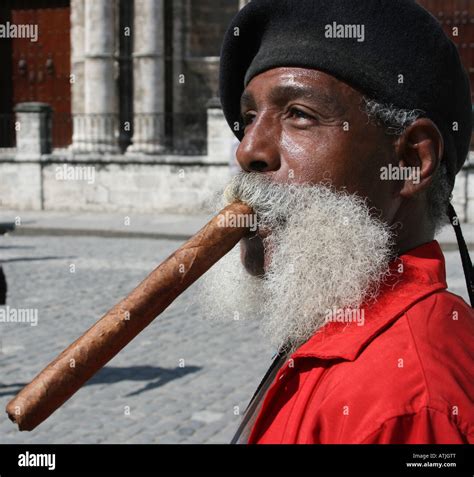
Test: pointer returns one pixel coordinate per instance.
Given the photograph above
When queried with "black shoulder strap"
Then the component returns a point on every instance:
(250, 409)
(463, 250)
(276, 361)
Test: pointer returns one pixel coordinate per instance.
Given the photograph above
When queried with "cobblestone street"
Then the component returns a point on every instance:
(182, 379)
(144, 395)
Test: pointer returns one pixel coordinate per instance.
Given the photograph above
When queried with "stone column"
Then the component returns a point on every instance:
(180, 27)
(148, 77)
(77, 72)
(99, 123)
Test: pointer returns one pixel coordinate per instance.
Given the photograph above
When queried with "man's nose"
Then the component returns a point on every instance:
(258, 150)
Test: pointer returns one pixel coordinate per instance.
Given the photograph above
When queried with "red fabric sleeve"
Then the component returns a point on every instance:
(427, 426)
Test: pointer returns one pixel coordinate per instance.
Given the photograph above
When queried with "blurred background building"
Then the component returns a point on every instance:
(129, 88)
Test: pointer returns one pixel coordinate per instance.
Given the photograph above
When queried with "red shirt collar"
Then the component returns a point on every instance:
(414, 275)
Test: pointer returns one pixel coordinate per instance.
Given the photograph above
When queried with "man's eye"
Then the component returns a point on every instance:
(247, 118)
(298, 113)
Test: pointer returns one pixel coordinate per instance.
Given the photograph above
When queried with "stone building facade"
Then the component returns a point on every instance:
(131, 90)
(144, 113)
(143, 73)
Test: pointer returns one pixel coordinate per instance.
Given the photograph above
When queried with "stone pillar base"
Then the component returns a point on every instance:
(145, 148)
(148, 134)
(33, 136)
(95, 133)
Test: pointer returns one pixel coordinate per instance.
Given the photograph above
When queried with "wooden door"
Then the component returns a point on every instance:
(40, 70)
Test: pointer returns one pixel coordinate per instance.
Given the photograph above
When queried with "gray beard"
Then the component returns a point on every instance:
(328, 252)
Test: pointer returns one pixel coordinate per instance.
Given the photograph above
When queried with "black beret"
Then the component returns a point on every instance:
(399, 38)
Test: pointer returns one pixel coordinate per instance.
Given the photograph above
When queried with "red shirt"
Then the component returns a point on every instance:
(405, 376)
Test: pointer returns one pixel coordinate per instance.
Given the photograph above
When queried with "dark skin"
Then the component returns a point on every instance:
(305, 126)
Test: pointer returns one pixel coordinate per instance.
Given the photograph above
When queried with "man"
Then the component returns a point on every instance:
(354, 118)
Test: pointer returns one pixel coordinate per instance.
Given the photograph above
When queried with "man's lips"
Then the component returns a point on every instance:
(254, 250)
(252, 254)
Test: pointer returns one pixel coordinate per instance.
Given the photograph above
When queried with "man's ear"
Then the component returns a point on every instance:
(420, 150)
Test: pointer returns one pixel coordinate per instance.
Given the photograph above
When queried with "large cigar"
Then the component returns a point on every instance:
(88, 354)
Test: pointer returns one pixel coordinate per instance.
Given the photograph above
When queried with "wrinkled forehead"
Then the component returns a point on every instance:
(280, 85)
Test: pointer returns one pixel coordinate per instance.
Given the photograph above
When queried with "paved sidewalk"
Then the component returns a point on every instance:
(161, 226)
(100, 224)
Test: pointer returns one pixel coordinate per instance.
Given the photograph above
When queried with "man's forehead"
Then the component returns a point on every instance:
(289, 76)
(281, 84)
